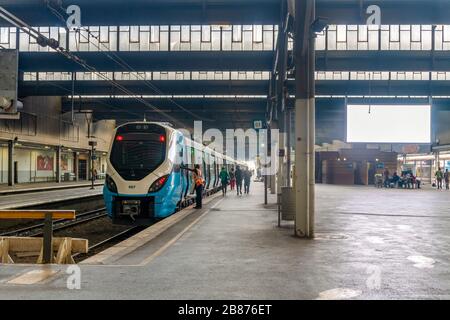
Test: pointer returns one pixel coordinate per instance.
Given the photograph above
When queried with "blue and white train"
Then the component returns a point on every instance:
(145, 178)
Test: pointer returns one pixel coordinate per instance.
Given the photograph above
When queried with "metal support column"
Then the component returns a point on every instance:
(265, 190)
(437, 162)
(283, 94)
(312, 125)
(48, 239)
(305, 118)
(93, 144)
(11, 163)
(282, 54)
(72, 114)
(288, 147)
(281, 174)
(273, 178)
(58, 164)
(76, 166)
(279, 73)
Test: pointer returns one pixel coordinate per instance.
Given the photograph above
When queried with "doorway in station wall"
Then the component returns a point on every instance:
(372, 171)
(358, 173)
(16, 172)
(82, 169)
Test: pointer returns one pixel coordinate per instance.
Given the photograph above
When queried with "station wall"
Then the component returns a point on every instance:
(34, 165)
(42, 123)
(41, 130)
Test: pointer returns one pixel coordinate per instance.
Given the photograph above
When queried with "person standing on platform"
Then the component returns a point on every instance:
(239, 177)
(232, 179)
(225, 179)
(199, 182)
(386, 175)
(439, 176)
(247, 179)
(447, 179)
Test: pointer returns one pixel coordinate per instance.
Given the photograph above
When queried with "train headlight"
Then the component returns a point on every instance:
(110, 184)
(158, 184)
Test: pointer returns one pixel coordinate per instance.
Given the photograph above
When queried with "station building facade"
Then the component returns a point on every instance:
(45, 145)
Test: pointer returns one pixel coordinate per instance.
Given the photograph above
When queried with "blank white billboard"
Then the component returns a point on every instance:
(389, 123)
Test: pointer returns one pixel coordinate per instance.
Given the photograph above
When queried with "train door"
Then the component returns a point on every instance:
(217, 166)
(203, 166)
(212, 171)
(218, 169)
(186, 172)
(207, 172)
(191, 166)
(372, 171)
(216, 174)
(178, 174)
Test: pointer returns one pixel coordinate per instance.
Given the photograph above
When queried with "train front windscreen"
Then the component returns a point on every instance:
(138, 150)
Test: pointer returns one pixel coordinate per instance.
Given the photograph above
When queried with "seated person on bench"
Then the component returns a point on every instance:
(415, 182)
(395, 180)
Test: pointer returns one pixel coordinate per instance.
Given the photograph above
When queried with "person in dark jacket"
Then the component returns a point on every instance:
(247, 179)
(239, 177)
(439, 177)
(447, 179)
(386, 175)
(395, 179)
(224, 179)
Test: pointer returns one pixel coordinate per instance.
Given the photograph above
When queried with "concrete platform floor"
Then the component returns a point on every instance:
(20, 200)
(38, 187)
(370, 244)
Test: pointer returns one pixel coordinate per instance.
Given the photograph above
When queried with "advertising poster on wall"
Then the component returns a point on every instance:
(64, 162)
(44, 163)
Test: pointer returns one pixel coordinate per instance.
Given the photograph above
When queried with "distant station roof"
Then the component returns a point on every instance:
(144, 12)
(237, 100)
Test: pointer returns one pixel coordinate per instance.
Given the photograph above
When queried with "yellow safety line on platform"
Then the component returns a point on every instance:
(176, 238)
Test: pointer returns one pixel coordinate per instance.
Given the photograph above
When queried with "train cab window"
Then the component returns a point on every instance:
(138, 150)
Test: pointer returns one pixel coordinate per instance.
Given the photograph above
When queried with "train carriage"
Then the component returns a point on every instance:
(146, 177)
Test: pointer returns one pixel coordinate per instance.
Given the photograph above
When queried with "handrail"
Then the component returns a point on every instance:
(36, 214)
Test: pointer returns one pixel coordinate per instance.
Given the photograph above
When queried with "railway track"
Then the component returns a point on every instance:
(38, 229)
(109, 241)
(81, 219)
